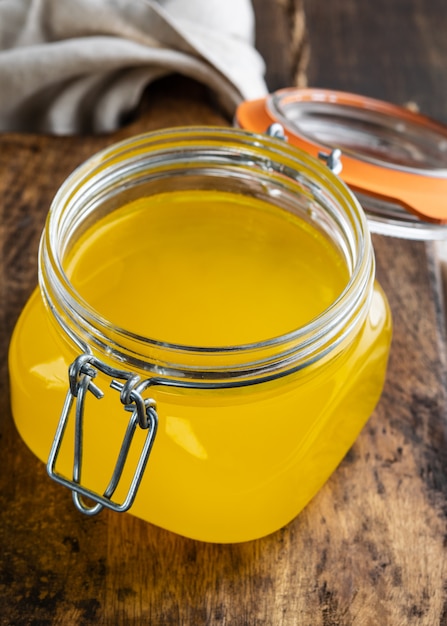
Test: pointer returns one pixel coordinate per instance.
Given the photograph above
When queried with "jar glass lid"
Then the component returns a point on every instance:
(393, 159)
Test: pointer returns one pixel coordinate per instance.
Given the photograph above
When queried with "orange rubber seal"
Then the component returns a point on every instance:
(422, 193)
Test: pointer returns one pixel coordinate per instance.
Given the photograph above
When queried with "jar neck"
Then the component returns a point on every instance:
(250, 164)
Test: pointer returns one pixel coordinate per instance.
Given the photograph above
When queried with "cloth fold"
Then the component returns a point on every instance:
(70, 66)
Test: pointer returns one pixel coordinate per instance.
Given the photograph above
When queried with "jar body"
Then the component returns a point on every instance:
(252, 417)
(227, 465)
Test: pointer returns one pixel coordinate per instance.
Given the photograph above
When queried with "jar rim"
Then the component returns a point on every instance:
(291, 350)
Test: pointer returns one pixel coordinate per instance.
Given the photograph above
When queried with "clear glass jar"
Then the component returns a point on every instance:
(258, 346)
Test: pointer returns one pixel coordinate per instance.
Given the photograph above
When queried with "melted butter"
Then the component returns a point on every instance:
(206, 269)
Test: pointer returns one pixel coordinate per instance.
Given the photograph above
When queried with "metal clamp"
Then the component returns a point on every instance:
(143, 414)
(276, 130)
(332, 160)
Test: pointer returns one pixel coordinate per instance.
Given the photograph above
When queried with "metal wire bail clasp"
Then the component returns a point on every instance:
(332, 160)
(143, 414)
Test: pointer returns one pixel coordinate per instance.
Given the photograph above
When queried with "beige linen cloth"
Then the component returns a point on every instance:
(70, 66)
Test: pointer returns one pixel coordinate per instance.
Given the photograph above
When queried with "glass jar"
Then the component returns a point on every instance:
(208, 338)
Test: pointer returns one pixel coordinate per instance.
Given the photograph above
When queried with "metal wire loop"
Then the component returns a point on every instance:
(78, 370)
(144, 414)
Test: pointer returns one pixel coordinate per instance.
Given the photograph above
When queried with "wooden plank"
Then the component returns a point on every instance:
(281, 38)
(395, 50)
(395, 572)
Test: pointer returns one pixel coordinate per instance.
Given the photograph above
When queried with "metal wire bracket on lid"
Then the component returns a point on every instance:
(332, 159)
(143, 414)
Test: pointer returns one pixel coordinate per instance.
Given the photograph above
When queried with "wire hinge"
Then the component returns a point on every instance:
(143, 414)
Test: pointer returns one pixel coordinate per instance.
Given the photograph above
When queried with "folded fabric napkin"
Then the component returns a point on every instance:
(70, 66)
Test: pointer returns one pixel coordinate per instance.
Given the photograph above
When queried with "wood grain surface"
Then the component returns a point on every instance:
(370, 549)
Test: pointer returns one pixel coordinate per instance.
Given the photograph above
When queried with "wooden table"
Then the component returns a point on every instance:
(370, 548)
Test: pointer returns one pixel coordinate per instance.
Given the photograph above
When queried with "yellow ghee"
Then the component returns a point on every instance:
(206, 269)
(209, 268)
